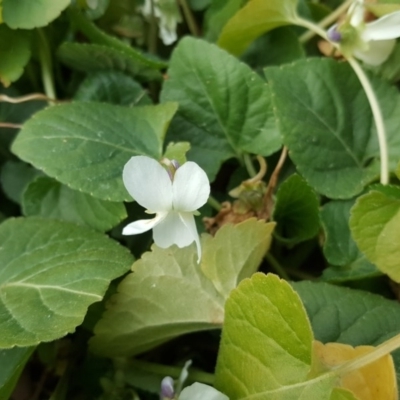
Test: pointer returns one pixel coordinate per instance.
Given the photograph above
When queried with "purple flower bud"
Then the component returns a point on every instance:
(333, 34)
(167, 388)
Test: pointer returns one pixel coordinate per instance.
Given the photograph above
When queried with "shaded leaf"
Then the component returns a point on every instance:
(235, 253)
(296, 210)
(340, 250)
(167, 295)
(53, 270)
(15, 50)
(254, 19)
(12, 363)
(45, 197)
(224, 107)
(349, 316)
(98, 57)
(15, 176)
(374, 224)
(27, 14)
(112, 87)
(86, 145)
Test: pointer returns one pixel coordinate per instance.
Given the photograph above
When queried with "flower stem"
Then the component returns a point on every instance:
(214, 203)
(379, 352)
(174, 372)
(191, 22)
(46, 65)
(376, 112)
(373, 102)
(328, 20)
(249, 165)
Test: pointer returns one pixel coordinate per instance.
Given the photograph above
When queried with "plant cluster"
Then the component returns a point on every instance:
(262, 137)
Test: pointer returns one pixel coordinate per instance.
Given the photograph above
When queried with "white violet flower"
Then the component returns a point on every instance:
(168, 14)
(173, 195)
(370, 42)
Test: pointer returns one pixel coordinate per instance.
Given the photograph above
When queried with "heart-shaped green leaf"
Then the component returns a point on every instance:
(86, 145)
(27, 14)
(51, 271)
(224, 106)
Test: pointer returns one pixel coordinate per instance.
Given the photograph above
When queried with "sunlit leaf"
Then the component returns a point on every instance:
(235, 253)
(375, 381)
(27, 14)
(254, 19)
(165, 296)
(374, 223)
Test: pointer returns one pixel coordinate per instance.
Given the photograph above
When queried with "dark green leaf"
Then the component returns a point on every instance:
(51, 271)
(86, 145)
(12, 363)
(224, 107)
(296, 210)
(326, 123)
(45, 197)
(112, 87)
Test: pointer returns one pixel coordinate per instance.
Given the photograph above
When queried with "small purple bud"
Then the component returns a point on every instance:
(333, 34)
(175, 164)
(167, 388)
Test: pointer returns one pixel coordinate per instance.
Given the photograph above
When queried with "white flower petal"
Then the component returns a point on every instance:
(188, 220)
(172, 230)
(148, 183)
(190, 188)
(143, 225)
(386, 27)
(356, 11)
(167, 35)
(377, 53)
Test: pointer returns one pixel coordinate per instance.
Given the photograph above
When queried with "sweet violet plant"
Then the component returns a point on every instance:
(278, 120)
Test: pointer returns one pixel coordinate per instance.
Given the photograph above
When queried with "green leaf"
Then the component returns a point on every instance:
(342, 394)
(374, 224)
(224, 107)
(218, 15)
(97, 57)
(254, 19)
(354, 317)
(86, 145)
(296, 210)
(235, 253)
(52, 270)
(266, 345)
(12, 363)
(167, 295)
(339, 248)
(177, 151)
(27, 14)
(327, 125)
(15, 176)
(45, 197)
(15, 50)
(280, 46)
(112, 87)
